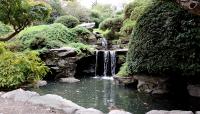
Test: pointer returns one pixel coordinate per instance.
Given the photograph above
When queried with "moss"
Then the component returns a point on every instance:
(165, 42)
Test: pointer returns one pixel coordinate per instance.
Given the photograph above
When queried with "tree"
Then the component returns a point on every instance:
(21, 13)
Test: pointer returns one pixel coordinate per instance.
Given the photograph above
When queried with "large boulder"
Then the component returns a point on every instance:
(118, 112)
(20, 95)
(54, 101)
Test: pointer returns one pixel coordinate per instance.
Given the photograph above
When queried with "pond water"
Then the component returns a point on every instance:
(101, 93)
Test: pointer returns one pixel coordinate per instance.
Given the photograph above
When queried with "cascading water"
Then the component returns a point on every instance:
(106, 60)
(113, 62)
(105, 63)
(104, 43)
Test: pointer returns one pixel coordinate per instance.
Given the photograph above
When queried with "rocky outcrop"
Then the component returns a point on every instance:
(150, 84)
(169, 112)
(124, 80)
(49, 100)
(61, 62)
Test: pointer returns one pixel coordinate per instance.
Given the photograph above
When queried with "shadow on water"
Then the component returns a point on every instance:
(101, 94)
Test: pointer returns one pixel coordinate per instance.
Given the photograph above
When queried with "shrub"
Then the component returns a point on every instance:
(165, 42)
(18, 68)
(47, 36)
(68, 20)
(82, 33)
(96, 17)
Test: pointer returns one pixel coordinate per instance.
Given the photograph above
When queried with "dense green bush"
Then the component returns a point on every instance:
(166, 41)
(127, 27)
(123, 72)
(82, 33)
(47, 36)
(68, 20)
(18, 68)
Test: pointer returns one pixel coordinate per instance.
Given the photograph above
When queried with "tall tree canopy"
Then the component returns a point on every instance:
(21, 13)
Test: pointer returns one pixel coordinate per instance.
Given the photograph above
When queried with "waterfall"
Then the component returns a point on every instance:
(105, 63)
(104, 43)
(113, 62)
(106, 60)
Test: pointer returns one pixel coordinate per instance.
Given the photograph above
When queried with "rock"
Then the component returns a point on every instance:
(62, 62)
(69, 80)
(20, 95)
(54, 101)
(152, 84)
(118, 112)
(169, 112)
(87, 25)
(124, 80)
(197, 112)
(69, 110)
(88, 111)
(194, 90)
(41, 83)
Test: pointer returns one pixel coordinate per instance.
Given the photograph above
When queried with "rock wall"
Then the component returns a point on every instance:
(62, 62)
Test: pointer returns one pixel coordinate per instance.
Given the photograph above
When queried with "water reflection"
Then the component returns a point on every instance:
(101, 94)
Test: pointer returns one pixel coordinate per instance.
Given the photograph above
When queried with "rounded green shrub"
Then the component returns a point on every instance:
(47, 36)
(166, 41)
(18, 68)
(82, 33)
(67, 20)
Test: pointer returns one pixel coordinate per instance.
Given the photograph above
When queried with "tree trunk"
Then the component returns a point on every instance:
(10, 36)
(192, 6)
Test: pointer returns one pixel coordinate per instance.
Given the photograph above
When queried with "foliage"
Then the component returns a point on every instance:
(18, 68)
(127, 27)
(134, 9)
(82, 49)
(56, 12)
(123, 71)
(75, 9)
(21, 13)
(82, 33)
(165, 42)
(4, 29)
(68, 20)
(106, 11)
(96, 17)
(47, 36)
(113, 26)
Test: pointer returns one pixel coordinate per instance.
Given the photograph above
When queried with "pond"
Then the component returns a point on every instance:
(101, 93)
